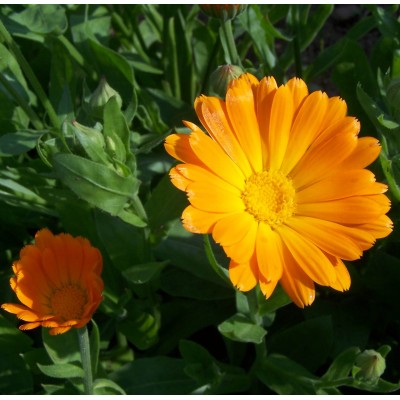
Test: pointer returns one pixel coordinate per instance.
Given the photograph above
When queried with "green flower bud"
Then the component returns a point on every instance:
(369, 366)
(393, 93)
(92, 135)
(100, 97)
(220, 78)
(223, 11)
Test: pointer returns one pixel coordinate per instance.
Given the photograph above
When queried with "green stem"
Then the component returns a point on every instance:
(220, 271)
(84, 346)
(34, 118)
(252, 300)
(30, 75)
(226, 30)
(296, 44)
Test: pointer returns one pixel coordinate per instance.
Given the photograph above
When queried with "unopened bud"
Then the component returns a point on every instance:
(223, 11)
(369, 366)
(92, 134)
(100, 97)
(221, 77)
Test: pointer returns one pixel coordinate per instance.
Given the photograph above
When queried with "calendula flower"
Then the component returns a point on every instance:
(281, 184)
(58, 282)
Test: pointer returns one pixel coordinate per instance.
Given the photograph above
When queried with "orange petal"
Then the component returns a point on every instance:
(267, 287)
(299, 91)
(211, 198)
(296, 283)
(197, 221)
(341, 184)
(269, 253)
(309, 257)
(243, 276)
(178, 180)
(279, 126)
(366, 152)
(178, 146)
(328, 236)
(241, 108)
(322, 158)
(349, 211)
(212, 155)
(337, 110)
(195, 173)
(59, 330)
(306, 127)
(213, 115)
(343, 280)
(264, 97)
(380, 227)
(28, 326)
(242, 251)
(232, 228)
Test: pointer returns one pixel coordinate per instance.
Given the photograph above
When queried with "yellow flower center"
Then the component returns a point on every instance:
(270, 197)
(68, 302)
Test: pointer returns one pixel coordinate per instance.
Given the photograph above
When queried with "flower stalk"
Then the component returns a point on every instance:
(84, 347)
(227, 34)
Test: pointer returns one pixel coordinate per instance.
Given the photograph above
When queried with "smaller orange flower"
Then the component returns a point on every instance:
(58, 281)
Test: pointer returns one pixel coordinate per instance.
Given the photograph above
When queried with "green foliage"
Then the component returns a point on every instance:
(93, 164)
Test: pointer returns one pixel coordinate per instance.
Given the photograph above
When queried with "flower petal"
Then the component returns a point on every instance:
(213, 116)
(305, 129)
(232, 228)
(240, 106)
(341, 184)
(366, 152)
(299, 91)
(351, 210)
(328, 236)
(197, 221)
(212, 198)
(269, 253)
(309, 257)
(243, 276)
(177, 145)
(279, 126)
(213, 156)
(244, 250)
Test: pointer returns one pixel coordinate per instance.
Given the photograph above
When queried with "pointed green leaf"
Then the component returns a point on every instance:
(62, 371)
(242, 329)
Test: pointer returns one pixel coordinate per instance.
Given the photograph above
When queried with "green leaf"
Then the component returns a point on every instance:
(16, 143)
(116, 128)
(278, 300)
(140, 327)
(95, 183)
(154, 376)
(61, 349)
(14, 377)
(177, 282)
(106, 386)
(294, 342)
(341, 365)
(143, 273)
(62, 371)
(285, 376)
(213, 376)
(12, 340)
(242, 329)
(38, 20)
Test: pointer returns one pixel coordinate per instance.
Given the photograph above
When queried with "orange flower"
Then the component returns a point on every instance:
(280, 184)
(58, 281)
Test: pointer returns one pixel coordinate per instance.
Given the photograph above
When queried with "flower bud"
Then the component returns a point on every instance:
(100, 97)
(223, 11)
(369, 366)
(220, 78)
(393, 93)
(93, 135)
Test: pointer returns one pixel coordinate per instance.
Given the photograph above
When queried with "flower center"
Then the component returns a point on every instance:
(68, 302)
(270, 197)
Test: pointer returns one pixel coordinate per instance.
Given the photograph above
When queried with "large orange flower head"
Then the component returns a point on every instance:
(58, 282)
(280, 184)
